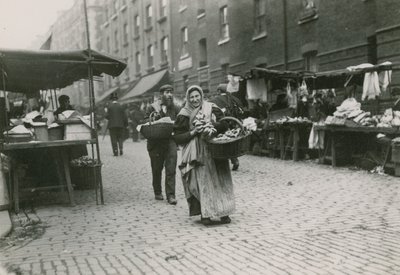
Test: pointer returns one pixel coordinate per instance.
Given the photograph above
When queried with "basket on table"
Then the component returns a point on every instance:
(232, 148)
(158, 130)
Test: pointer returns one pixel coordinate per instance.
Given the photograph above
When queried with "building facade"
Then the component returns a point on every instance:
(138, 31)
(211, 38)
(69, 33)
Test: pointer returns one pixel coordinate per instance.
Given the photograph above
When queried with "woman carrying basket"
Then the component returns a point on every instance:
(207, 182)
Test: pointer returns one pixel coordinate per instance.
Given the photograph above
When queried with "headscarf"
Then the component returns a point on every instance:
(190, 111)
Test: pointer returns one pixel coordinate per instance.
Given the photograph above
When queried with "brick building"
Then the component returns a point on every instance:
(138, 31)
(210, 38)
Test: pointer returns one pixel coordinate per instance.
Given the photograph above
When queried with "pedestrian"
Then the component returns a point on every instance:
(136, 116)
(231, 106)
(117, 123)
(163, 152)
(207, 182)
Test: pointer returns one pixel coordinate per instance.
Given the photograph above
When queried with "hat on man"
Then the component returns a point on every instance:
(165, 88)
(222, 88)
(113, 96)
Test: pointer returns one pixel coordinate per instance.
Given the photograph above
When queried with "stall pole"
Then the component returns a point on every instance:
(5, 96)
(92, 104)
(285, 36)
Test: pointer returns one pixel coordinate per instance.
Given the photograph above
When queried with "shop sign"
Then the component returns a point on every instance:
(185, 63)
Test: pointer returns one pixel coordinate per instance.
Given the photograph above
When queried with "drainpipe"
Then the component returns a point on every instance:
(285, 40)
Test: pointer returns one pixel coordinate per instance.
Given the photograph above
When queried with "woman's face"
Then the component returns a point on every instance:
(195, 98)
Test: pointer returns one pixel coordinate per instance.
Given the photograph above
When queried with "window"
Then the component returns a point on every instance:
(259, 17)
(108, 44)
(185, 82)
(149, 15)
(137, 24)
(115, 6)
(164, 49)
(201, 8)
(125, 33)
(150, 56)
(308, 11)
(224, 27)
(184, 42)
(163, 8)
(202, 52)
(372, 50)
(224, 72)
(106, 12)
(138, 62)
(116, 46)
(182, 5)
(310, 61)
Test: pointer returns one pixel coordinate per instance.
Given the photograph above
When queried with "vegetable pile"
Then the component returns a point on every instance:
(84, 161)
(229, 135)
(206, 127)
(293, 120)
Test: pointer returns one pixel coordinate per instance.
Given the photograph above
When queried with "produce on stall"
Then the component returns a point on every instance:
(27, 71)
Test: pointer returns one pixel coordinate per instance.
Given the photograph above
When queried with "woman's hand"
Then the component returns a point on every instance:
(196, 130)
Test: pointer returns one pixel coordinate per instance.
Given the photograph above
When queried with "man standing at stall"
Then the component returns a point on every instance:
(117, 123)
(231, 106)
(163, 152)
(65, 105)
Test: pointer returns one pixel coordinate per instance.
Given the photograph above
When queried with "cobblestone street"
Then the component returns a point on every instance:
(291, 218)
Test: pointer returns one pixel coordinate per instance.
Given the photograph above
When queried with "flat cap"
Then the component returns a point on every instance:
(166, 87)
(222, 87)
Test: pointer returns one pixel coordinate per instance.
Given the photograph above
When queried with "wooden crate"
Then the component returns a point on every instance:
(77, 132)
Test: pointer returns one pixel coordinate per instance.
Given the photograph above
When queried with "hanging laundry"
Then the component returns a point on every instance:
(371, 86)
(385, 77)
(291, 95)
(233, 83)
(256, 89)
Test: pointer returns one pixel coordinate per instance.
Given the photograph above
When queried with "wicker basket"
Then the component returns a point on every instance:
(156, 130)
(226, 149)
(83, 177)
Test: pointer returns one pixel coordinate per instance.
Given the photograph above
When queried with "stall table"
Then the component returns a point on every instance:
(290, 139)
(334, 131)
(58, 149)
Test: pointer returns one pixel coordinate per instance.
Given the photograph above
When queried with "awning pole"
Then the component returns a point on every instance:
(92, 109)
(5, 98)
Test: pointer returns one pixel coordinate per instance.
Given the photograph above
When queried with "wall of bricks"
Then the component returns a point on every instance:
(338, 34)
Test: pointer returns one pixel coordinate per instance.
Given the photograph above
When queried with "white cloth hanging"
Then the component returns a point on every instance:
(291, 95)
(385, 77)
(371, 86)
(256, 89)
(233, 83)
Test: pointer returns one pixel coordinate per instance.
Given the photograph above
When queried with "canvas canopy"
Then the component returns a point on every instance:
(29, 71)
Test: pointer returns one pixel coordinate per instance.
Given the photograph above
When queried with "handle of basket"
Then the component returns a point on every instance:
(151, 117)
(233, 119)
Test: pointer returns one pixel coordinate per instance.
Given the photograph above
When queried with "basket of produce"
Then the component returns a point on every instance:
(157, 129)
(233, 143)
(85, 172)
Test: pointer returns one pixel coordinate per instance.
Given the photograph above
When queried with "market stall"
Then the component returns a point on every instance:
(359, 133)
(284, 131)
(31, 71)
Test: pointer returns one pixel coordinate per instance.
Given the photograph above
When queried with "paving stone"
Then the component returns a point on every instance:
(330, 221)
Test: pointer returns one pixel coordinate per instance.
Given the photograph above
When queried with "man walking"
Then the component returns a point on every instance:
(117, 123)
(231, 106)
(163, 152)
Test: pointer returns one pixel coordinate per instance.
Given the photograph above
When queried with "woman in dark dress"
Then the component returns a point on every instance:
(207, 182)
